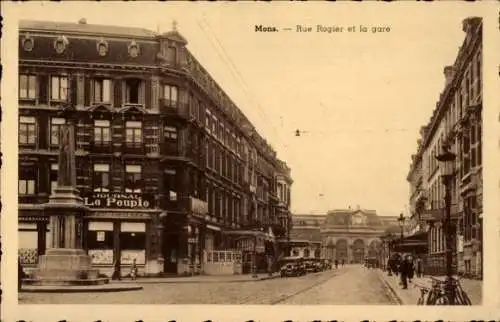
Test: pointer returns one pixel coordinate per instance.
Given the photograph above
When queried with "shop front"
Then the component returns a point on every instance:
(121, 229)
(184, 237)
(33, 235)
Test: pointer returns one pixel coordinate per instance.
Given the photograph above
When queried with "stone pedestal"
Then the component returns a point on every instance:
(65, 266)
(65, 262)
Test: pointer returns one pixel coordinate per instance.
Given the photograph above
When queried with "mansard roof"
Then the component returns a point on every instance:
(84, 28)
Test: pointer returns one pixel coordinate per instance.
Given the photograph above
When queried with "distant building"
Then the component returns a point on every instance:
(342, 234)
(456, 121)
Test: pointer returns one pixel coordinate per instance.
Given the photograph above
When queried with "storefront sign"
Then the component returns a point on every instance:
(199, 207)
(118, 200)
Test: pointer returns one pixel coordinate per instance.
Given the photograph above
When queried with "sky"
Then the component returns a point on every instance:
(359, 97)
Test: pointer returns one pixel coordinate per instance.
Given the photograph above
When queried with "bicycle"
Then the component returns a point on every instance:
(436, 294)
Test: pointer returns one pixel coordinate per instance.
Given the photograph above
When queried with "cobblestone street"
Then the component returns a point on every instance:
(348, 285)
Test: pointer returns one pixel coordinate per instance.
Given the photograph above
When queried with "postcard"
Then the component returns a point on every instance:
(250, 161)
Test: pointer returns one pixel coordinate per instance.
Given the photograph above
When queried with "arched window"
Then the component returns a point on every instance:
(306, 252)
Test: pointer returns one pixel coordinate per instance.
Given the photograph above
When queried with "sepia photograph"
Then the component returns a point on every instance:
(184, 154)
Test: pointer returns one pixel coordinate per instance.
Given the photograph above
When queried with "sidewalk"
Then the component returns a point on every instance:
(473, 288)
(200, 279)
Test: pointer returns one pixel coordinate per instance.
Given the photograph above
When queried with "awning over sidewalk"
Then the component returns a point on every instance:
(416, 243)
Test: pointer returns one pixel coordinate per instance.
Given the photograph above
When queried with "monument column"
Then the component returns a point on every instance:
(65, 262)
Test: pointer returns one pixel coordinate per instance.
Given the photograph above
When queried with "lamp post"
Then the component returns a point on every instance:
(446, 160)
(401, 221)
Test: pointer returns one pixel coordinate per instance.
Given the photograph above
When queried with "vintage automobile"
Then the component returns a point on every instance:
(371, 262)
(292, 266)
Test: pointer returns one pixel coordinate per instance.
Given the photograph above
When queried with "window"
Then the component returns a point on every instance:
(27, 86)
(27, 133)
(132, 90)
(102, 91)
(214, 126)
(170, 133)
(169, 183)
(133, 131)
(27, 181)
(54, 168)
(100, 180)
(102, 132)
(59, 88)
(172, 54)
(133, 179)
(170, 95)
(55, 129)
(208, 119)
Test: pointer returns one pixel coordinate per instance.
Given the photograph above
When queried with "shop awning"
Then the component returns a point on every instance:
(416, 243)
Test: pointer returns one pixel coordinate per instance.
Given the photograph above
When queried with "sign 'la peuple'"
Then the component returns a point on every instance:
(116, 200)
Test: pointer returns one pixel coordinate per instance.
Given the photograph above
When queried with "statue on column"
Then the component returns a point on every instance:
(67, 168)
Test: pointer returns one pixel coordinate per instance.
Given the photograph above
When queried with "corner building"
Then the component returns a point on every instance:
(173, 173)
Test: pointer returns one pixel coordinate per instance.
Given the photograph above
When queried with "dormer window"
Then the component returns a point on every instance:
(133, 49)
(172, 54)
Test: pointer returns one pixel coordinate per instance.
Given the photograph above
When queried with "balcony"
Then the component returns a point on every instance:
(135, 148)
(174, 108)
(101, 147)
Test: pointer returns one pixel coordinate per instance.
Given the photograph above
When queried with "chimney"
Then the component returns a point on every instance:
(448, 75)
(82, 21)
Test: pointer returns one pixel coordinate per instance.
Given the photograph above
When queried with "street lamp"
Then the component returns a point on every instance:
(447, 163)
(401, 221)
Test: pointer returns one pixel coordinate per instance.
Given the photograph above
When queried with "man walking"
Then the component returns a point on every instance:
(403, 272)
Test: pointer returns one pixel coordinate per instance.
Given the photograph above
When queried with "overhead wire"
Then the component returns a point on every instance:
(226, 59)
(236, 74)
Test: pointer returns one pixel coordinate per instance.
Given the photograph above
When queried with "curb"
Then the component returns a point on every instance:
(174, 281)
(392, 292)
(77, 289)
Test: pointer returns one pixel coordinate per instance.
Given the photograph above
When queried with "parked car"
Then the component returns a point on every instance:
(291, 266)
(288, 270)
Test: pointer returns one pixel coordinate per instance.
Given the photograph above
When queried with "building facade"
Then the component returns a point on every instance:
(351, 235)
(456, 122)
(170, 168)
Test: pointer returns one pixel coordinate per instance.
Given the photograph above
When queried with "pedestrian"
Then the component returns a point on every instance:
(336, 264)
(389, 266)
(133, 269)
(403, 272)
(419, 267)
(410, 268)
(343, 262)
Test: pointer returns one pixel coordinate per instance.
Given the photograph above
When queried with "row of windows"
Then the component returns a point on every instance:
(102, 131)
(102, 92)
(101, 89)
(101, 179)
(469, 90)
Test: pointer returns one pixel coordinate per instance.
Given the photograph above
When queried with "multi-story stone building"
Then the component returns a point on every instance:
(170, 169)
(342, 234)
(456, 122)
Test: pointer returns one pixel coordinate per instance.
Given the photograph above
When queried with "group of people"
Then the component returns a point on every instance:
(405, 266)
(337, 263)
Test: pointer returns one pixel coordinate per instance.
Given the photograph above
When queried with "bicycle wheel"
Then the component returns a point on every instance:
(431, 298)
(466, 299)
